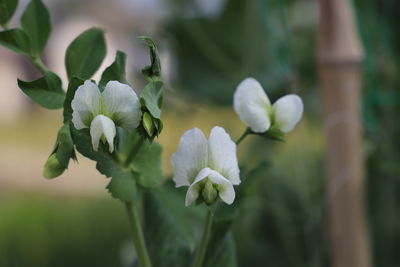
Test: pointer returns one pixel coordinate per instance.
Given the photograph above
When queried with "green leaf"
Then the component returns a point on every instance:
(147, 162)
(46, 91)
(7, 9)
(122, 185)
(153, 71)
(35, 22)
(72, 87)
(116, 71)
(148, 123)
(168, 242)
(85, 54)
(16, 40)
(152, 97)
(123, 188)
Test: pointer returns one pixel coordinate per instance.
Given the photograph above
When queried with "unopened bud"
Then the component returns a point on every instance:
(52, 167)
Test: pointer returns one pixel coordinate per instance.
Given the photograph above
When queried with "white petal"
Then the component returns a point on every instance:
(122, 105)
(102, 125)
(194, 189)
(190, 158)
(288, 111)
(222, 155)
(252, 105)
(225, 188)
(85, 104)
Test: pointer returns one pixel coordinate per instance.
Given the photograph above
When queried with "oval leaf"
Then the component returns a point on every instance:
(46, 91)
(116, 71)
(85, 54)
(7, 9)
(36, 23)
(16, 40)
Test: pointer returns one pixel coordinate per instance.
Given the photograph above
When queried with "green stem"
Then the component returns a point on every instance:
(245, 133)
(39, 64)
(133, 152)
(138, 237)
(201, 252)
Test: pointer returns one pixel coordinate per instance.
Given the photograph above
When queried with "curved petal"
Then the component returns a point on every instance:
(225, 188)
(252, 105)
(122, 105)
(222, 154)
(194, 189)
(190, 158)
(288, 111)
(102, 125)
(85, 104)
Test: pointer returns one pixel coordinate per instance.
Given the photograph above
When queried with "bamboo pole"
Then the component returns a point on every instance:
(340, 58)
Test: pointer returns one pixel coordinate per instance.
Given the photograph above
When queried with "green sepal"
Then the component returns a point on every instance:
(72, 87)
(85, 54)
(148, 124)
(7, 9)
(152, 98)
(116, 71)
(16, 40)
(153, 71)
(46, 91)
(52, 167)
(35, 22)
(274, 134)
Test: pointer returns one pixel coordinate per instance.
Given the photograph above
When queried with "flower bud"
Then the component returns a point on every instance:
(52, 167)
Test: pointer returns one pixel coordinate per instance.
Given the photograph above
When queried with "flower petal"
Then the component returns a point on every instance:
(288, 111)
(102, 125)
(190, 158)
(252, 105)
(194, 189)
(222, 155)
(225, 188)
(122, 105)
(85, 104)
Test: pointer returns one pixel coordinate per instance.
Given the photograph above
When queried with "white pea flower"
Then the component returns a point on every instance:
(208, 167)
(254, 108)
(117, 105)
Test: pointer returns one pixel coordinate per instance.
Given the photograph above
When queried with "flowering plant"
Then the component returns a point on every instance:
(111, 124)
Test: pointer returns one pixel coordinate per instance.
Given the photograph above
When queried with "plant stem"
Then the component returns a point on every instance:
(133, 152)
(39, 64)
(245, 133)
(138, 237)
(201, 252)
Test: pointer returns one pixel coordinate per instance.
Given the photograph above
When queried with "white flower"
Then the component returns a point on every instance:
(254, 108)
(117, 105)
(208, 167)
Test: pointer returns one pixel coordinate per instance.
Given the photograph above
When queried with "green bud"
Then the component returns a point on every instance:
(148, 124)
(52, 167)
(209, 193)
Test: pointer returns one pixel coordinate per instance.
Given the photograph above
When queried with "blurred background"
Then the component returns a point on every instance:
(207, 47)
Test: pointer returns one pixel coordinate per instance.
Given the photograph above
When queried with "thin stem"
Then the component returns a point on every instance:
(138, 237)
(201, 252)
(133, 152)
(39, 64)
(243, 136)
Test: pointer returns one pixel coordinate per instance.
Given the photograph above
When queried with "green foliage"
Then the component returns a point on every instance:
(46, 91)
(7, 9)
(116, 71)
(64, 147)
(16, 40)
(168, 242)
(152, 98)
(85, 54)
(153, 71)
(72, 87)
(36, 23)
